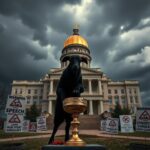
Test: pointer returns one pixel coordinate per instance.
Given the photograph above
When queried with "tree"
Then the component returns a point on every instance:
(126, 111)
(117, 111)
(32, 113)
(120, 111)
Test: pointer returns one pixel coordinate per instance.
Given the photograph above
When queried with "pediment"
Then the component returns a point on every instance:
(83, 70)
(91, 71)
(56, 70)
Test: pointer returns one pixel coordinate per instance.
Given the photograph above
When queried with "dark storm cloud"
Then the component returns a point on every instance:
(125, 12)
(37, 15)
(116, 13)
(23, 23)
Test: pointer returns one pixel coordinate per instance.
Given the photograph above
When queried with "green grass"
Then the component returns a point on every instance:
(111, 144)
(22, 134)
(138, 134)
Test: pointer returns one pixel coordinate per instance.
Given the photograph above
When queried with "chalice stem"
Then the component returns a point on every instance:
(75, 124)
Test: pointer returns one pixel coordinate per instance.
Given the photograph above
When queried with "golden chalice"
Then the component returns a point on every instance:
(75, 106)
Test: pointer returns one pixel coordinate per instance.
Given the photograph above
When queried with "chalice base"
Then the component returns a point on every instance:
(75, 142)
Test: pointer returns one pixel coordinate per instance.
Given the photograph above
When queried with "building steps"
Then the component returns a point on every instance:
(89, 122)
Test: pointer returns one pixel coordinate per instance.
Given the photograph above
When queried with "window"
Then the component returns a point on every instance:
(41, 91)
(123, 100)
(131, 99)
(40, 97)
(16, 91)
(110, 99)
(115, 91)
(130, 91)
(35, 91)
(29, 91)
(135, 91)
(122, 91)
(20, 91)
(116, 99)
(109, 91)
(136, 99)
(34, 102)
(28, 99)
(35, 97)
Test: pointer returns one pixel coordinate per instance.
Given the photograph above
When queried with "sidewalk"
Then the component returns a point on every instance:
(81, 132)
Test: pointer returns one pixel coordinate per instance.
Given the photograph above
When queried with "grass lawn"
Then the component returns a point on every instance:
(111, 144)
(139, 134)
(22, 134)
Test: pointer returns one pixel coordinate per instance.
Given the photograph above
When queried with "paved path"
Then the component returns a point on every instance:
(84, 132)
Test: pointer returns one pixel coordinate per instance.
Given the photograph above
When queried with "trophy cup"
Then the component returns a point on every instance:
(75, 106)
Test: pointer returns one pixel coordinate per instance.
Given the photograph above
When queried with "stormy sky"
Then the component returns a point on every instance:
(32, 33)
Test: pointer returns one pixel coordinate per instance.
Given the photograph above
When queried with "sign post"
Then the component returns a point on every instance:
(103, 125)
(41, 123)
(25, 125)
(143, 119)
(14, 123)
(15, 110)
(112, 125)
(126, 124)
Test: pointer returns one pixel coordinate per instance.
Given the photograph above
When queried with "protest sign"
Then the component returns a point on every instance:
(41, 123)
(14, 123)
(126, 123)
(112, 125)
(143, 119)
(25, 125)
(103, 125)
(32, 126)
(15, 105)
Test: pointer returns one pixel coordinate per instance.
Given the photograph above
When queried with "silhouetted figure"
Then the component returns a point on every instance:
(70, 85)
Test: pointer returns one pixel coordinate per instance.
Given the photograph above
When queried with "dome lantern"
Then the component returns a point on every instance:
(76, 29)
(75, 39)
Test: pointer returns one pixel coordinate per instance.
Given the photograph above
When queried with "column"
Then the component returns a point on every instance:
(50, 107)
(101, 106)
(127, 97)
(51, 87)
(134, 104)
(45, 91)
(90, 87)
(90, 107)
(100, 87)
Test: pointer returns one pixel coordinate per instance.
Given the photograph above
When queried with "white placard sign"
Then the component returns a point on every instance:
(14, 123)
(15, 105)
(126, 123)
(41, 123)
(143, 119)
(32, 126)
(103, 125)
(112, 125)
(25, 125)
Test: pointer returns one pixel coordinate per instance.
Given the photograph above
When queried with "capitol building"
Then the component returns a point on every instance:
(101, 92)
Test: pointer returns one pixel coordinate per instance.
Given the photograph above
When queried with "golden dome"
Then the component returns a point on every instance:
(75, 39)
